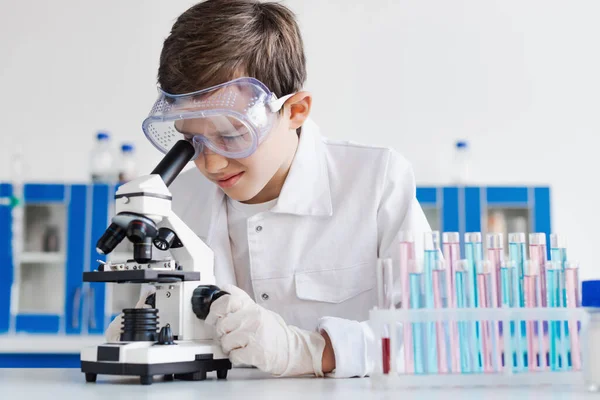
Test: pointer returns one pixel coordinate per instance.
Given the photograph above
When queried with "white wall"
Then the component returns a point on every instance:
(520, 79)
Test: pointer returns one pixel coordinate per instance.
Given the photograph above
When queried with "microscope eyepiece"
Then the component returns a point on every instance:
(111, 238)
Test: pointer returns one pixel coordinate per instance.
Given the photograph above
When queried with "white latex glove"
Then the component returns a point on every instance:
(113, 332)
(252, 335)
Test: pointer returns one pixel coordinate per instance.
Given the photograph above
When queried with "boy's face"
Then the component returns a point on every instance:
(244, 179)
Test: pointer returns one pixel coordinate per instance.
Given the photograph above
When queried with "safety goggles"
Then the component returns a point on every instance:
(230, 119)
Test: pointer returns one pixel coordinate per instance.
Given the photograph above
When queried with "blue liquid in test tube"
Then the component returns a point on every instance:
(553, 299)
(432, 252)
(558, 256)
(415, 278)
(461, 288)
(517, 251)
(474, 254)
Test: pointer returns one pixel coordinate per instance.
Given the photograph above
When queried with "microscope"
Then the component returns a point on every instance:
(169, 338)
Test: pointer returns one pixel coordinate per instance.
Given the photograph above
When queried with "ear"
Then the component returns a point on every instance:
(297, 109)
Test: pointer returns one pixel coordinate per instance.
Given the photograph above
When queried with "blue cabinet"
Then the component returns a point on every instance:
(41, 289)
(500, 209)
(6, 270)
(441, 207)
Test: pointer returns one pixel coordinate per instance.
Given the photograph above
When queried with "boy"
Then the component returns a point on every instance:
(296, 221)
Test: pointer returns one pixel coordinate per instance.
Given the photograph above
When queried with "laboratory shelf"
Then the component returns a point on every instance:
(42, 258)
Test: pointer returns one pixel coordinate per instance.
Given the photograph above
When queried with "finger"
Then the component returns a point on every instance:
(145, 292)
(223, 306)
(229, 323)
(235, 340)
(113, 331)
(245, 356)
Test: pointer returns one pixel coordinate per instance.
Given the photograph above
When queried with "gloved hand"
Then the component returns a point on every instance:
(252, 335)
(113, 332)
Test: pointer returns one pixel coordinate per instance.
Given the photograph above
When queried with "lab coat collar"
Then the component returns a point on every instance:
(306, 189)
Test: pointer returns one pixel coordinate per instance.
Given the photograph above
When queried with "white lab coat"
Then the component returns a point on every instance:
(313, 256)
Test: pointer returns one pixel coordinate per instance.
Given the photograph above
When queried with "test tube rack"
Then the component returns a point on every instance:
(457, 334)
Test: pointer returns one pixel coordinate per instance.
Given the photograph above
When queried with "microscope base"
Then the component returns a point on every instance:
(186, 360)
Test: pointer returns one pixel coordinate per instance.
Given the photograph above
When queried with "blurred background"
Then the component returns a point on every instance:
(495, 103)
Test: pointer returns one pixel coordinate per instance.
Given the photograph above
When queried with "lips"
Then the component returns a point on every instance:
(229, 180)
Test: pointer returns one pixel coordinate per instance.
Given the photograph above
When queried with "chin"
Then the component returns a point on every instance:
(238, 194)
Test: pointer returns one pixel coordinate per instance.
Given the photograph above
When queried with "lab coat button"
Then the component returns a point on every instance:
(258, 228)
(265, 296)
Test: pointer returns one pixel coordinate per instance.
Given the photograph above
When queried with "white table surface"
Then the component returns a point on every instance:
(63, 384)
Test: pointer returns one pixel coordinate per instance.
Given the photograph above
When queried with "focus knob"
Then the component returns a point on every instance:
(202, 299)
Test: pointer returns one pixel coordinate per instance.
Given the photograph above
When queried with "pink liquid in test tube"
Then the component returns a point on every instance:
(537, 254)
(451, 246)
(407, 255)
(572, 287)
(531, 287)
(495, 255)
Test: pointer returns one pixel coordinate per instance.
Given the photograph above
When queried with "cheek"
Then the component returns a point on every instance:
(200, 164)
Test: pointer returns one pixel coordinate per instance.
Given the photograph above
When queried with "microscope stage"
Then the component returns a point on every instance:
(141, 276)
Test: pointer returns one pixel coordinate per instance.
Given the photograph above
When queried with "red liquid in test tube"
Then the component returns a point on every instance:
(385, 350)
(385, 284)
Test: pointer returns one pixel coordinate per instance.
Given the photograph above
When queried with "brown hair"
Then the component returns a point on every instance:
(219, 40)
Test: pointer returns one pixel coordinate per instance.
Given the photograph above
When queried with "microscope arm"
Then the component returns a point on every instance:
(194, 255)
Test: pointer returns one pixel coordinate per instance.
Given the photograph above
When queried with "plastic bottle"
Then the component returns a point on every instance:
(102, 160)
(461, 163)
(590, 301)
(127, 164)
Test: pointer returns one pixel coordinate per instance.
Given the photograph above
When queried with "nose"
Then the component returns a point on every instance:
(214, 162)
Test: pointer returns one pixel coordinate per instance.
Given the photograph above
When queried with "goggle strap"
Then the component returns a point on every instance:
(275, 105)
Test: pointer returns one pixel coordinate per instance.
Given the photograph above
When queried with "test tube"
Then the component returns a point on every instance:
(385, 283)
(432, 251)
(489, 331)
(451, 246)
(407, 254)
(537, 253)
(440, 279)
(572, 287)
(510, 297)
(495, 254)
(533, 300)
(553, 299)
(461, 299)
(517, 252)
(415, 276)
(558, 249)
(473, 253)
(558, 254)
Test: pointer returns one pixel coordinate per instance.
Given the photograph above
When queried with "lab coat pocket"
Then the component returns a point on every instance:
(335, 285)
